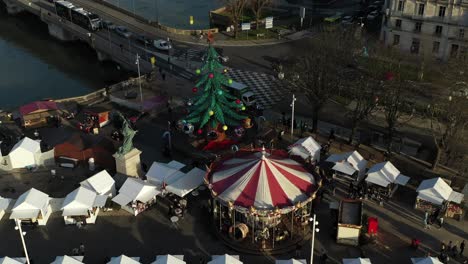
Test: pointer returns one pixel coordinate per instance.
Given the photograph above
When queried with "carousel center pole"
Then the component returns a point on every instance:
(292, 223)
(220, 209)
(253, 229)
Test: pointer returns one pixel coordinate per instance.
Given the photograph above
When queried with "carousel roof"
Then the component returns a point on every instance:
(262, 180)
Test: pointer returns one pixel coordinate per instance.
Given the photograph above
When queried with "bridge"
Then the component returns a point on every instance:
(108, 44)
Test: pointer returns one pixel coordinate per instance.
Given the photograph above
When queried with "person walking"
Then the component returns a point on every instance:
(462, 247)
(82, 249)
(426, 218)
(441, 221)
(454, 250)
(442, 247)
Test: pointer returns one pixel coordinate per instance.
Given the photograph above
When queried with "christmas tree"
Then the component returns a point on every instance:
(214, 105)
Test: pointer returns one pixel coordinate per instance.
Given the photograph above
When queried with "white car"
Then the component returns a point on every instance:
(373, 15)
(162, 44)
(347, 20)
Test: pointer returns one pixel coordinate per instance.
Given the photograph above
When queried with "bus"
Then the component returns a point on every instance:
(85, 19)
(63, 9)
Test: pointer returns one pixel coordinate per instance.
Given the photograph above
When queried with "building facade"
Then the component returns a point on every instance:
(423, 27)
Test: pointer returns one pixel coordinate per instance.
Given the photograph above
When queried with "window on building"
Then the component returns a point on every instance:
(435, 47)
(415, 46)
(398, 23)
(442, 11)
(396, 39)
(421, 9)
(438, 30)
(417, 26)
(401, 5)
(461, 33)
(454, 50)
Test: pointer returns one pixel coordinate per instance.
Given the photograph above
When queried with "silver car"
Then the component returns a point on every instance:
(123, 31)
(162, 44)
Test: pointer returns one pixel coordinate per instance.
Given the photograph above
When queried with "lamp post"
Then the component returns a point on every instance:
(137, 62)
(292, 114)
(314, 230)
(22, 234)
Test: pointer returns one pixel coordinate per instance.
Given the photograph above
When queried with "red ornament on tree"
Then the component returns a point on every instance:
(211, 76)
(238, 101)
(194, 89)
(199, 131)
(389, 76)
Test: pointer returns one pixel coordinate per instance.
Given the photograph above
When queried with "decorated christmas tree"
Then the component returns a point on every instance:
(214, 106)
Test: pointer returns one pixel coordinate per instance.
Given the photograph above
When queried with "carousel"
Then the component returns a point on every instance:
(262, 199)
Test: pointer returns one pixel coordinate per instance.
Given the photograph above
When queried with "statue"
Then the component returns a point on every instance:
(128, 134)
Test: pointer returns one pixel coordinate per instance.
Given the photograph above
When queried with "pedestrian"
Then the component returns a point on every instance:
(426, 218)
(82, 249)
(163, 76)
(324, 258)
(454, 250)
(462, 247)
(441, 222)
(442, 247)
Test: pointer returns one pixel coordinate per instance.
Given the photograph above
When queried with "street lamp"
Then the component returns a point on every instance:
(22, 234)
(314, 230)
(292, 114)
(137, 62)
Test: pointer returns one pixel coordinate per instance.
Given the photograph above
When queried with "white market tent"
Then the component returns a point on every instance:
(101, 183)
(82, 202)
(348, 163)
(68, 260)
(225, 259)
(159, 172)
(32, 205)
(306, 148)
(24, 153)
(134, 190)
(169, 259)
(429, 260)
(385, 173)
(437, 191)
(175, 181)
(122, 259)
(8, 260)
(357, 261)
(291, 261)
(4, 204)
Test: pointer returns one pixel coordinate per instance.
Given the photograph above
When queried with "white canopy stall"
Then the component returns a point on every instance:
(436, 192)
(428, 260)
(169, 259)
(82, 205)
(68, 260)
(349, 163)
(33, 206)
(4, 204)
(24, 153)
(291, 261)
(171, 179)
(225, 259)
(122, 259)
(8, 260)
(101, 183)
(357, 261)
(386, 175)
(306, 148)
(135, 195)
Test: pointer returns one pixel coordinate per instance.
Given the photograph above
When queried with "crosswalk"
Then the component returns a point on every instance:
(267, 89)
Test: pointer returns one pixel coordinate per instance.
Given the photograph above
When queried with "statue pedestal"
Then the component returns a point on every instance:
(129, 164)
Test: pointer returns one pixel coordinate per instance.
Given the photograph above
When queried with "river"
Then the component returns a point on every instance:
(34, 66)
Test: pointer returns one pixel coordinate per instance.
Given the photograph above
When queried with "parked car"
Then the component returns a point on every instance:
(373, 15)
(143, 40)
(123, 31)
(106, 24)
(162, 44)
(378, 3)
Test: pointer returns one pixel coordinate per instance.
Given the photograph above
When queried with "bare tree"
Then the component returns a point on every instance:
(235, 9)
(318, 74)
(363, 94)
(257, 7)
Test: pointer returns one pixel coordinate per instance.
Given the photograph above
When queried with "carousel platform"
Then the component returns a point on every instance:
(247, 246)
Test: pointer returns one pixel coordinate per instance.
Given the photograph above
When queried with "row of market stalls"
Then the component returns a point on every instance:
(383, 178)
(215, 259)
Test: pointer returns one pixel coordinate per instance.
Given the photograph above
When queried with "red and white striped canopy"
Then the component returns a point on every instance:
(261, 180)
